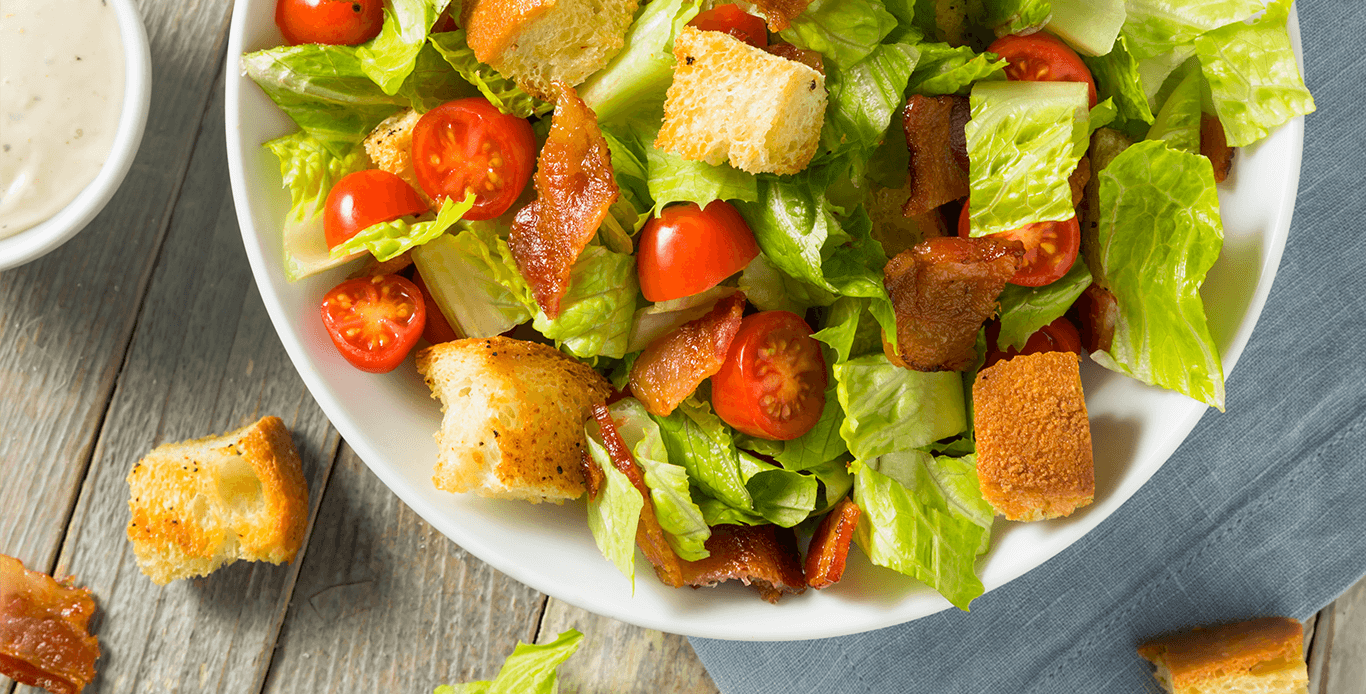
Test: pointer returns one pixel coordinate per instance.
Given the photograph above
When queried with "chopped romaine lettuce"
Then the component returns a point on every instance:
(888, 408)
(661, 318)
(864, 98)
(771, 289)
(615, 513)
(1026, 309)
(597, 310)
(1016, 16)
(637, 78)
(843, 31)
(1154, 27)
(684, 527)
(671, 178)
(1118, 77)
(309, 169)
(782, 497)
(1178, 122)
(499, 90)
(529, 670)
(850, 329)
(822, 443)
(698, 440)
(390, 57)
(474, 280)
(1103, 114)
(1089, 26)
(387, 240)
(945, 69)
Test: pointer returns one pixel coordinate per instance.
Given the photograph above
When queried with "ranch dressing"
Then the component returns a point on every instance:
(61, 92)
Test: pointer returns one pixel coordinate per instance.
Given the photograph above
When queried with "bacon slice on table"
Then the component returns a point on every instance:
(649, 534)
(44, 634)
(938, 152)
(763, 556)
(943, 290)
(1214, 145)
(575, 189)
(780, 13)
(830, 545)
(672, 367)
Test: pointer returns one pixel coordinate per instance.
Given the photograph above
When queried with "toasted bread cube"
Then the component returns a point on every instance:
(540, 42)
(390, 147)
(1262, 655)
(732, 101)
(1033, 437)
(513, 417)
(200, 504)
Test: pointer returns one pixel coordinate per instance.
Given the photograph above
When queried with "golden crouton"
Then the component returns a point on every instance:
(513, 417)
(1033, 437)
(1262, 655)
(540, 42)
(732, 101)
(198, 505)
(390, 147)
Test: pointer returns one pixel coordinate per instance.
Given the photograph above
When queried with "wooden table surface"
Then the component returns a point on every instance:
(148, 328)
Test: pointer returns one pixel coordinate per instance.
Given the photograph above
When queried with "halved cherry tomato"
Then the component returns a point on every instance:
(1043, 58)
(438, 329)
(1050, 249)
(336, 22)
(1058, 336)
(772, 384)
(469, 146)
(688, 249)
(374, 321)
(363, 198)
(730, 19)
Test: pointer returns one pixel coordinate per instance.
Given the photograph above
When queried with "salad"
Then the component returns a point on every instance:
(1081, 137)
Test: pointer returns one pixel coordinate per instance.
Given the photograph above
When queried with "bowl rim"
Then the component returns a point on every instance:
(46, 236)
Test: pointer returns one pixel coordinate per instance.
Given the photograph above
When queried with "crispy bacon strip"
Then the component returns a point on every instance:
(780, 13)
(672, 367)
(1096, 313)
(592, 474)
(649, 535)
(1078, 180)
(939, 172)
(575, 189)
(44, 630)
(1214, 145)
(811, 59)
(763, 556)
(942, 291)
(830, 545)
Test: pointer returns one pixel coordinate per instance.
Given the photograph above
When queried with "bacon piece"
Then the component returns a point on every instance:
(811, 59)
(1214, 145)
(780, 13)
(672, 367)
(763, 556)
(44, 630)
(649, 534)
(830, 545)
(1096, 312)
(574, 190)
(592, 475)
(1078, 180)
(942, 291)
(937, 174)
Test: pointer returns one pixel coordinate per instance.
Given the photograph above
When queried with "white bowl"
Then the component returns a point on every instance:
(38, 240)
(389, 420)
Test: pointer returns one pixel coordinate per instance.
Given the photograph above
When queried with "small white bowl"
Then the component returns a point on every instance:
(38, 240)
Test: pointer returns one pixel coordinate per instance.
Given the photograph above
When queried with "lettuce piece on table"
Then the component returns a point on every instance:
(502, 92)
(598, 309)
(1178, 122)
(1154, 27)
(309, 170)
(684, 527)
(1089, 26)
(637, 78)
(390, 57)
(944, 69)
(1118, 76)
(888, 408)
(474, 280)
(1024, 140)
(1160, 232)
(529, 670)
(615, 513)
(388, 240)
(1254, 81)
(1026, 309)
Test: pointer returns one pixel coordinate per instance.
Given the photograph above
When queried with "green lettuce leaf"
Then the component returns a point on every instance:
(671, 178)
(1118, 77)
(388, 240)
(309, 170)
(1254, 81)
(850, 329)
(615, 513)
(499, 90)
(1103, 114)
(1024, 140)
(473, 279)
(390, 57)
(782, 497)
(864, 98)
(908, 526)
(771, 289)
(698, 440)
(1160, 232)
(598, 309)
(1178, 122)
(888, 408)
(822, 443)
(1089, 26)
(836, 482)
(529, 670)
(1016, 16)
(843, 31)
(684, 527)
(637, 78)
(957, 480)
(1154, 27)
(945, 69)
(1026, 309)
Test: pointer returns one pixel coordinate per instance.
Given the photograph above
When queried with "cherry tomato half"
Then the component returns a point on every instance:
(1058, 336)
(469, 146)
(730, 19)
(1050, 249)
(1043, 58)
(336, 22)
(374, 321)
(772, 384)
(364, 198)
(438, 329)
(688, 249)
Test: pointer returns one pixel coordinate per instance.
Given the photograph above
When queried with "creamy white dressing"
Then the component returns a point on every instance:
(61, 92)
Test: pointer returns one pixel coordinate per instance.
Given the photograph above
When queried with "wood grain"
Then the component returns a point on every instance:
(385, 603)
(1338, 661)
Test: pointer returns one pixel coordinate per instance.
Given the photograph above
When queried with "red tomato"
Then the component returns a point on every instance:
(374, 321)
(438, 329)
(730, 19)
(336, 22)
(1043, 58)
(363, 198)
(688, 249)
(1050, 249)
(469, 146)
(1058, 336)
(772, 384)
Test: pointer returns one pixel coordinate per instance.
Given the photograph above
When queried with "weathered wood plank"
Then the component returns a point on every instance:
(65, 320)
(618, 657)
(1338, 662)
(204, 359)
(384, 602)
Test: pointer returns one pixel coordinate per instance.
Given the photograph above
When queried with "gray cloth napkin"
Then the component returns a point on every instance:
(1261, 511)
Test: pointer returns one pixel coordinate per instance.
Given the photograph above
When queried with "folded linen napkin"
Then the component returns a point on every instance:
(1260, 511)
